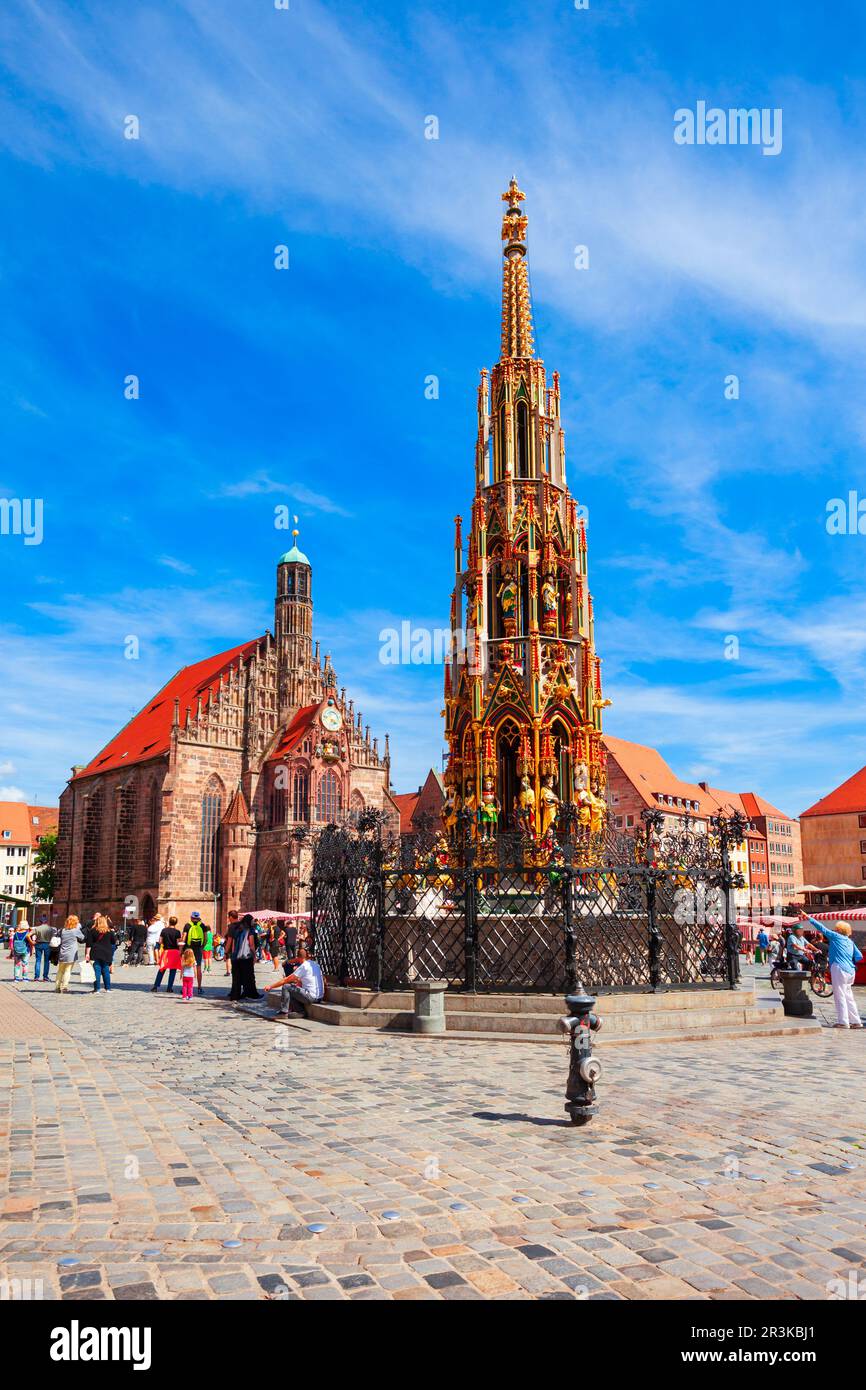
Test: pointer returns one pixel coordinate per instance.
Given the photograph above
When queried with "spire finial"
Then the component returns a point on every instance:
(517, 335)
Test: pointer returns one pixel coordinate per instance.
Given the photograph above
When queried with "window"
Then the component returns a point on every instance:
(154, 819)
(863, 846)
(861, 821)
(277, 807)
(522, 440)
(863, 870)
(629, 820)
(91, 868)
(7, 834)
(328, 798)
(301, 796)
(211, 814)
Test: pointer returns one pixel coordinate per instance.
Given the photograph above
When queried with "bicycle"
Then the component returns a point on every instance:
(818, 973)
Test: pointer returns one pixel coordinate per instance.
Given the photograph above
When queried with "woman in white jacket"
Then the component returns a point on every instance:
(154, 927)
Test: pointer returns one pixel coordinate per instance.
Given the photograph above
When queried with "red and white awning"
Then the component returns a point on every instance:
(266, 914)
(841, 914)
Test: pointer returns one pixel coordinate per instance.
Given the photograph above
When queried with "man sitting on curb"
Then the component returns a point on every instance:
(304, 985)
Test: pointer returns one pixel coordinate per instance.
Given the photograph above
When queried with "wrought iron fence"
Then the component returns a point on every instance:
(645, 912)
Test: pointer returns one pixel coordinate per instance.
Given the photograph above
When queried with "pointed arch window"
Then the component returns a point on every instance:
(565, 766)
(124, 837)
(328, 798)
(507, 780)
(91, 865)
(277, 803)
(523, 459)
(154, 819)
(301, 796)
(211, 815)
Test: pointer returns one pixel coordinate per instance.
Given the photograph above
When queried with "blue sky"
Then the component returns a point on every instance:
(306, 387)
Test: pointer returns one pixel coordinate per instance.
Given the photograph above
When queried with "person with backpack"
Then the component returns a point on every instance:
(21, 941)
(241, 954)
(194, 936)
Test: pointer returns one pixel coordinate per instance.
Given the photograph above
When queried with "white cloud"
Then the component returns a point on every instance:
(179, 565)
(8, 793)
(262, 484)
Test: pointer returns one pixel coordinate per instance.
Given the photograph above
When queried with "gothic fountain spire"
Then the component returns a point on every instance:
(517, 331)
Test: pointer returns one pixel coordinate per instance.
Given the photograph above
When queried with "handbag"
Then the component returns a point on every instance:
(54, 942)
(88, 974)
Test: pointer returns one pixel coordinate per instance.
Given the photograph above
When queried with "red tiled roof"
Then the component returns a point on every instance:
(14, 817)
(648, 773)
(48, 817)
(238, 812)
(850, 796)
(148, 733)
(294, 733)
(724, 803)
(405, 803)
(756, 806)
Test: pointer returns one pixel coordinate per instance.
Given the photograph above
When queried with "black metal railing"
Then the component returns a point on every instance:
(651, 912)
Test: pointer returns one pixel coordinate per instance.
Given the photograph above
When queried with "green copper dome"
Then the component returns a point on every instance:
(293, 557)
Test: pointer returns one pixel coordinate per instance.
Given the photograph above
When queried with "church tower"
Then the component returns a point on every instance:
(523, 687)
(293, 627)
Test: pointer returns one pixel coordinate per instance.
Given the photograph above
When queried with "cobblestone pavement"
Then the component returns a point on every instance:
(141, 1134)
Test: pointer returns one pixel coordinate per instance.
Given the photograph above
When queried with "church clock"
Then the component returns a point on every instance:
(332, 719)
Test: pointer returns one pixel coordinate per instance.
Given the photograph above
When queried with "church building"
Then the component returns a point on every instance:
(210, 797)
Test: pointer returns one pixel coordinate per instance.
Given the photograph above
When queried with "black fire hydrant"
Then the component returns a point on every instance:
(584, 1069)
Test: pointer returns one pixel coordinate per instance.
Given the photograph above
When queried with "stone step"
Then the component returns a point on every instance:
(637, 1024)
(402, 1001)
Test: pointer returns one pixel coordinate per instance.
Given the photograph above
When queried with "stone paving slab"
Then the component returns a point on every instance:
(142, 1136)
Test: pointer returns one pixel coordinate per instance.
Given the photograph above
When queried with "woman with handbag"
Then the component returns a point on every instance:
(70, 935)
(100, 952)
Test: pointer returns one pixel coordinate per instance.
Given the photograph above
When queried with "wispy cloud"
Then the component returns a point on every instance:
(172, 563)
(261, 484)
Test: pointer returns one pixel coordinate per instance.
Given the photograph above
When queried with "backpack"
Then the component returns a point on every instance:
(194, 934)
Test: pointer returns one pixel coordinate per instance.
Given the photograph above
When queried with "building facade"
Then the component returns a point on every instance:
(769, 857)
(834, 844)
(21, 831)
(211, 797)
(523, 689)
(422, 810)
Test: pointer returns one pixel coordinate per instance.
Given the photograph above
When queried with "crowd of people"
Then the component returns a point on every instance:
(187, 950)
